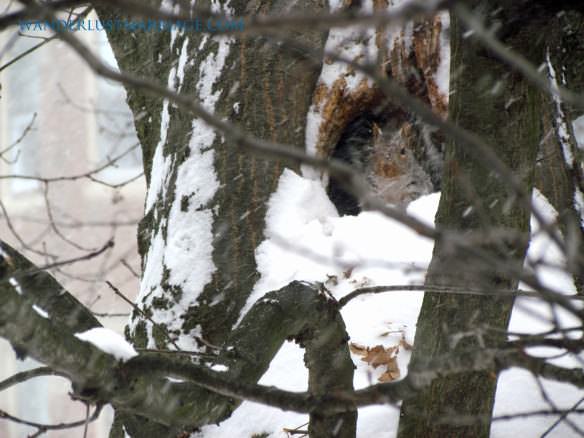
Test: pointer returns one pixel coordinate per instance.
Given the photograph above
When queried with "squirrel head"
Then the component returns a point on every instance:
(394, 172)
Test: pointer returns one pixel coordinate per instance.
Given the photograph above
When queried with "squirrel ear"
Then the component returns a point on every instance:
(376, 130)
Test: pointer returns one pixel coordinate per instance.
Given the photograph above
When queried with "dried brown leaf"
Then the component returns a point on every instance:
(359, 349)
(379, 355)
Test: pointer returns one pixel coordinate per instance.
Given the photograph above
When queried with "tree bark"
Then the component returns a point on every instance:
(259, 87)
(560, 165)
(266, 91)
(503, 109)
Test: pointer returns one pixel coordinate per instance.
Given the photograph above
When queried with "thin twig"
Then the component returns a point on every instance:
(457, 290)
(561, 418)
(27, 375)
(89, 256)
(514, 59)
(42, 428)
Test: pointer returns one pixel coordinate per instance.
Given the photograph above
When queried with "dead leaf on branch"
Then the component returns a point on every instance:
(358, 349)
(379, 356)
(391, 373)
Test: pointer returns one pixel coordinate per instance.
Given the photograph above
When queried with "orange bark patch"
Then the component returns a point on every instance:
(337, 107)
(427, 47)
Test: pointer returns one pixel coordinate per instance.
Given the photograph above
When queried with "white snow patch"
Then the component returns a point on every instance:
(109, 342)
(579, 204)
(313, 123)
(517, 391)
(296, 204)
(283, 373)
(544, 251)
(443, 71)
(182, 60)
(216, 6)
(15, 284)
(562, 128)
(335, 5)
(578, 126)
(42, 312)
(160, 165)
(306, 240)
(173, 380)
(174, 8)
(220, 368)
(167, 5)
(187, 252)
(210, 70)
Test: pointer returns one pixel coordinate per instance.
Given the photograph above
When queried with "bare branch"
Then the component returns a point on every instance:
(45, 427)
(23, 376)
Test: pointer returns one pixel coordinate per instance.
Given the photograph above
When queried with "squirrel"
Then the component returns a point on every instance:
(393, 170)
(352, 120)
(382, 154)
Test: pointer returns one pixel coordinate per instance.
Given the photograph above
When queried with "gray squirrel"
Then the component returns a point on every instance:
(393, 170)
(388, 162)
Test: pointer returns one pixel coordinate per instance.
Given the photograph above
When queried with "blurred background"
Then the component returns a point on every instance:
(70, 180)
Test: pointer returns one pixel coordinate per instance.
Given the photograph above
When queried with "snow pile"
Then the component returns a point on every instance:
(306, 240)
(109, 342)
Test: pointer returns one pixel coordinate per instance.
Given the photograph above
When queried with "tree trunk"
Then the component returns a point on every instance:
(560, 165)
(207, 199)
(504, 110)
(254, 84)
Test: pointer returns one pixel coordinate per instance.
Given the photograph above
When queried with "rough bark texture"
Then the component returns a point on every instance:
(274, 90)
(330, 369)
(261, 88)
(508, 118)
(266, 91)
(556, 178)
(40, 287)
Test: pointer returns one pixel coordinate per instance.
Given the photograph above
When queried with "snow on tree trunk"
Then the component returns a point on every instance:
(560, 164)
(205, 208)
(206, 202)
